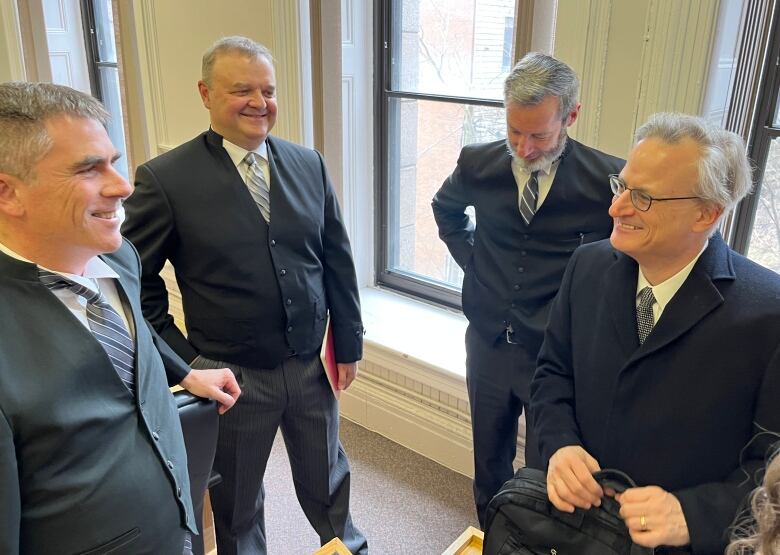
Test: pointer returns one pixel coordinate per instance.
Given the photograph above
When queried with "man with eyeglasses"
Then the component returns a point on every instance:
(662, 353)
(537, 196)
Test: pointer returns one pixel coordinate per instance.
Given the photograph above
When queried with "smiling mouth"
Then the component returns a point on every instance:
(630, 227)
(106, 215)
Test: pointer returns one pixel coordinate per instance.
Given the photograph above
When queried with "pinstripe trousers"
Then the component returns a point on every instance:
(296, 398)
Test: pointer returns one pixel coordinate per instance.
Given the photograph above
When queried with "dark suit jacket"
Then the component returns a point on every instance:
(512, 271)
(191, 207)
(678, 411)
(82, 466)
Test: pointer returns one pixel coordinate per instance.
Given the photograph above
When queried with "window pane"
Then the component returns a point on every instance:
(452, 47)
(424, 141)
(764, 245)
(776, 121)
(109, 85)
(104, 27)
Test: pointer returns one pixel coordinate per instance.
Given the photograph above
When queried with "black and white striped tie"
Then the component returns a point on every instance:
(104, 322)
(529, 198)
(258, 186)
(644, 313)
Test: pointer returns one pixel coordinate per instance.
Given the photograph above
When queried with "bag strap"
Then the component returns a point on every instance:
(614, 479)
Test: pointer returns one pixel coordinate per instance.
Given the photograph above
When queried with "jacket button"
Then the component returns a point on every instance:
(170, 464)
(282, 272)
(273, 242)
(523, 253)
(521, 269)
(516, 287)
(155, 436)
(289, 329)
(289, 302)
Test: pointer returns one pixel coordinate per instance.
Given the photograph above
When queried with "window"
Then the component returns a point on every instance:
(82, 55)
(442, 65)
(757, 221)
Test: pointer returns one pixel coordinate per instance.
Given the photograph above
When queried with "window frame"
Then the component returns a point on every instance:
(762, 133)
(402, 282)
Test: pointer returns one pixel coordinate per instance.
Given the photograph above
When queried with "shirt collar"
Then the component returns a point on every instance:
(237, 154)
(665, 291)
(544, 170)
(95, 269)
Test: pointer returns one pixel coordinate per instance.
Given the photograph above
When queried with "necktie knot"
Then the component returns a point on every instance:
(529, 198)
(105, 323)
(644, 313)
(56, 281)
(258, 186)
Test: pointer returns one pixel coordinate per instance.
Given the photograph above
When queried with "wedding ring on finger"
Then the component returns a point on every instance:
(643, 523)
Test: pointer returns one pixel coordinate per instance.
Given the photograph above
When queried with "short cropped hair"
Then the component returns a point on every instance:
(538, 76)
(24, 111)
(232, 45)
(725, 175)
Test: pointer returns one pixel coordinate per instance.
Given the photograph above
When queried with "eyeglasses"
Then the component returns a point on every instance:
(641, 200)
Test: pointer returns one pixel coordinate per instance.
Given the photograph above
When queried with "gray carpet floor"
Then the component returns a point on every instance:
(403, 502)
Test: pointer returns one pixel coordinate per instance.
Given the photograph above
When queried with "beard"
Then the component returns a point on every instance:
(545, 159)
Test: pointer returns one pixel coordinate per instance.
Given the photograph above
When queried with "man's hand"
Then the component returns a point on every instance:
(653, 517)
(347, 373)
(570, 481)
(219, 384)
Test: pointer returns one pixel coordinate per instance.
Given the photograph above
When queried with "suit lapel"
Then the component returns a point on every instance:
(697, 297)
(620, 282)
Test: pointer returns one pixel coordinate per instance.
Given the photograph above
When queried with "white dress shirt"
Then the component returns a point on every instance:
(98, 277)
(544, 179)
(238, 155)
(666, 290)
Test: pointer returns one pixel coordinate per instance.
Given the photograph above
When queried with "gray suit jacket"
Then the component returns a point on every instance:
(84, 468)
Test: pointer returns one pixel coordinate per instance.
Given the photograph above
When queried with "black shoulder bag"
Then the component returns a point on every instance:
(520, 519)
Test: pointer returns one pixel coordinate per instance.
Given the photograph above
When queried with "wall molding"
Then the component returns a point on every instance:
(156, 127)
(287, 53)
(677, 50)
(12, 66)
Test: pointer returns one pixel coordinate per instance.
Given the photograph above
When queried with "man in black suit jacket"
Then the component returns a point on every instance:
(662, 355)
(513, 259)
(257, 283)
(92, 457)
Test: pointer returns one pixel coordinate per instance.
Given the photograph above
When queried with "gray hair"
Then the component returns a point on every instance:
(24, 111)
(725, 175)
(538, 76)
(232, 45)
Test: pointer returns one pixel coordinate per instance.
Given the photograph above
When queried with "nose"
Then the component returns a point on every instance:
(621, 205)
(258, 100)
(117, 186)
(524, 147)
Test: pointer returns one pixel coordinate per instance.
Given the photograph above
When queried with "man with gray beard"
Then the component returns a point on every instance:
(537, 196)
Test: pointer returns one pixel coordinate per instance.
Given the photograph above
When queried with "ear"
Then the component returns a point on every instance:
(572, 116)
(709, 214)
(204, 94)
(10, 202)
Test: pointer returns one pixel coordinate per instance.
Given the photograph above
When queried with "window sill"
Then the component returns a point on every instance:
(429, 335)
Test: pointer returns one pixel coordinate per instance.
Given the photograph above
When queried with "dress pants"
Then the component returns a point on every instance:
(296, 397)
(498, 376)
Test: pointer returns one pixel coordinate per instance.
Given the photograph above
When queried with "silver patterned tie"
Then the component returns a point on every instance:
(644, 314)
(529, 198)
(104, 322)
(257, 185)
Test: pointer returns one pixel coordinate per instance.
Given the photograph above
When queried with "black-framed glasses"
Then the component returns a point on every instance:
(641, 200)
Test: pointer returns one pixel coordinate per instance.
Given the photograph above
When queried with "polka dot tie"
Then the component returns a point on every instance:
(644, 314)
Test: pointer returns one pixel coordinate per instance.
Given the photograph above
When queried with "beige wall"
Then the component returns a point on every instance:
(163, 44)
(635, 58)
